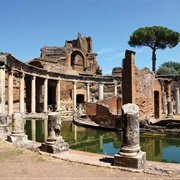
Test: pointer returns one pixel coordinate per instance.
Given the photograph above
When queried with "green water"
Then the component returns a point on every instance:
(157, 147)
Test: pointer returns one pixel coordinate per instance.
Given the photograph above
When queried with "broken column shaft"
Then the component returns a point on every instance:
(54, 142)
(130, 154)
(17, 133)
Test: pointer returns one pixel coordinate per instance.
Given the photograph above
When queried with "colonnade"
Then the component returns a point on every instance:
(33, 78)
(167, 101)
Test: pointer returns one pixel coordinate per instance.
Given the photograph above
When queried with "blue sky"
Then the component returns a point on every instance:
(28, 25)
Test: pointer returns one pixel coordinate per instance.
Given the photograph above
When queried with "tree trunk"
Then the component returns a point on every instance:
(154, 60)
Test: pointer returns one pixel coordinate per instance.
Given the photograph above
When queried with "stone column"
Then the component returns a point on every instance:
(177, 100)
(33, 94)
(164, 101)
(17, 134)
(46, 95)
(58, 99)
(21, 93)
(169, 91)
(88, 93)
(2, 89)
(74, 96)
(115, 88)
(101, 95)
(170, 109)
(10, 93)
(54, 142)
(130, 154)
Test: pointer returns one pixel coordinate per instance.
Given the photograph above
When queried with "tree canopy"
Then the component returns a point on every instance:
(156, 37)
(169, 68)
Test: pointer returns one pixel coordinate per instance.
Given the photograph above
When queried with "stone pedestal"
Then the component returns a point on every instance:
(3, 124)
(17, 133)
(55, 142)
(130, 154)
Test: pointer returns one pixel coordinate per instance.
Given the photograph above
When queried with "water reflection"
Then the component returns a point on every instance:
(157, 147)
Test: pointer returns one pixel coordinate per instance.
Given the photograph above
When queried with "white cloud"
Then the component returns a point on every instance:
(105, 51)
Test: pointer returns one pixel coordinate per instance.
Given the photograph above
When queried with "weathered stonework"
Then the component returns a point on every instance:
(130, 154)
(55, 142)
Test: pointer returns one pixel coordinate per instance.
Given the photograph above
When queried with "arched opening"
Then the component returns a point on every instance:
(156, 104)
(80, 98)
(77, 61)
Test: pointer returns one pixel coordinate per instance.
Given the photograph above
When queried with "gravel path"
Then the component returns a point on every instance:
(21, 163)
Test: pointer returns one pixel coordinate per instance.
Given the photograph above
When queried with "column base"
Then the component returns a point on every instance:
(138, 161)
(55, 147)
(3, 128)
(170, 116)
(13, 138)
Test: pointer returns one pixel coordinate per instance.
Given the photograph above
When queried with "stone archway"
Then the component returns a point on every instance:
(80, 98)
(77, 61)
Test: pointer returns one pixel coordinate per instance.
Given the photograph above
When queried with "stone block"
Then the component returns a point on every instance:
(137, 161)
(14, 138)
(55, 148)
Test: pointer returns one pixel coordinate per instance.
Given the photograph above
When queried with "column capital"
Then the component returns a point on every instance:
(10, 71)
(22, 74)
(33, 77)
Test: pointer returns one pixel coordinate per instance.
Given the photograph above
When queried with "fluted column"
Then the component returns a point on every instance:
(21, 93)
(2, 89)
(88, 93)
(10, 93)
(33, 94)
(74, 96)
(58, 97)
(101, 95)
(45, 94)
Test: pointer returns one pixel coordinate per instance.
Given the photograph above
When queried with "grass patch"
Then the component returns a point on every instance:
(40, 159)
(17, 152)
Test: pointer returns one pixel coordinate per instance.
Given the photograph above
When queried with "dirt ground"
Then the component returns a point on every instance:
(21, 163)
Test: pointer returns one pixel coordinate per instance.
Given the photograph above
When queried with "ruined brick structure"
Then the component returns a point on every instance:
(140, 87)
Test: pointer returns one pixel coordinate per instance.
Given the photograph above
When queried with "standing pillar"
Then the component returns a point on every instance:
(169, 91)
(2, 89)
(55, 142)
(130, 154)
(74, 96)
(17, 133)
(33, 94)
(58, 99)
(115, 88)
(177, 100)
(170, 109)
(45, 95)
(164, 101)
(88, 93)
(101, 95)
(21, 93)
(10, 93)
